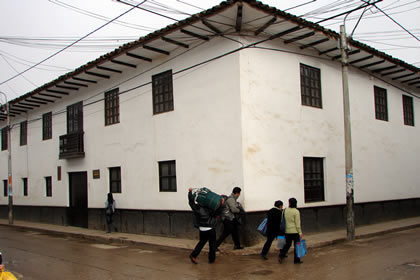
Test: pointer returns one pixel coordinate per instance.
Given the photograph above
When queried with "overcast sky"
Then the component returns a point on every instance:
(32, 30)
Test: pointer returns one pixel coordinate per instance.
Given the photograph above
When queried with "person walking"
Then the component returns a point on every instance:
(274, 216)
(109, 212)
(231, 219)
(293, 230)
(205, 219)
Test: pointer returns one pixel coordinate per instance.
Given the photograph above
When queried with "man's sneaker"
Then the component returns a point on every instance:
(193, 260)
(238, 248)
(264, 257)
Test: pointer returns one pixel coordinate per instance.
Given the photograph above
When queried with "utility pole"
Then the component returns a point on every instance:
(347, 136)
(9, 161)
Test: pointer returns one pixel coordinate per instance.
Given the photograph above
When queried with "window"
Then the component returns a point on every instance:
(25, 186)
(23, 133)
(48, 186)
(162, 92)
(381, 104)
(310, 86)
(408, 110)
(5, 188)
(115, 179)
(313, 174)
(4, 144)
(47, 126)
(75, 118)
(112, 107)
(167, 176)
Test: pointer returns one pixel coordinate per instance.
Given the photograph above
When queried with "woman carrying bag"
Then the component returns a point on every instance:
(293, 230)
(274, 217)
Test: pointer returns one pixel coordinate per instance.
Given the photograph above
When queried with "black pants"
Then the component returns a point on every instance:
(230, 227)
(295, 237)
(210, 236)
(267, 244)
(108, 222)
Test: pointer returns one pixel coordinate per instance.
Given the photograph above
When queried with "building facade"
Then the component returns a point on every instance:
(221, 99)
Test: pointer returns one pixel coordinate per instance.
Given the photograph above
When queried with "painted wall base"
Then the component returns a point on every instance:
(179, 223)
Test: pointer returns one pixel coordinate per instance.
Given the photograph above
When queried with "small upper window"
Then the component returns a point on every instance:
(408, 110)
(381, 104)
(47, 126)
(313, 175)
(23, 133)
(310, 86)
(162, 92)
(4, 145)
(167, 176)
(48, 186)
(112, 107)
(115, 179)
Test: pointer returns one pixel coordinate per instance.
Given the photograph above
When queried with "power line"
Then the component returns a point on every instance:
(49, 57)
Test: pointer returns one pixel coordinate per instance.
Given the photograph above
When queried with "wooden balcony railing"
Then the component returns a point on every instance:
(71, 145)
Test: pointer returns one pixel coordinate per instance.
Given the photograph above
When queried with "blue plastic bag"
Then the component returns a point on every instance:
(262, 228)
(301, 248)
(281, 241)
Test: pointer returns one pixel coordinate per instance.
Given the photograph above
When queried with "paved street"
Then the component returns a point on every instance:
(32, 255)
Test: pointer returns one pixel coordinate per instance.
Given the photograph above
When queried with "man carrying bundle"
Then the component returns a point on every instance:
(205, 219)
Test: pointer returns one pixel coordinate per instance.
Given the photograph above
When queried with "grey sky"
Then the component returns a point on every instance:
(30, 31)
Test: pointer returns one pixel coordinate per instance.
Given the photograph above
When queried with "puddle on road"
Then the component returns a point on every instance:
(262, 272)
(107, 247)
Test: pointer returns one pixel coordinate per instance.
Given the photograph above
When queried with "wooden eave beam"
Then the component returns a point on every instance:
(210, 26)
(303, 36)
(153, 49)
(385, 69)
(314, 43)
(296, 28)
(42, 99)
(202, 37)
(139, 57)
(175, 42)
(31, 105)
(348, 54)
(17, 111)
(393, 72)
(84, 80)
(413, 79)
(238, 25)
(22, 107)
(75, 84)
(36, 101)
(372, 64)
(108, 69)
(66, 87)
(49, 95)
(403, 76)
(361, 59)
(97, 74)
(413, 83)
(57, 91)
(327, 51)
(123, 63)
(265, 26)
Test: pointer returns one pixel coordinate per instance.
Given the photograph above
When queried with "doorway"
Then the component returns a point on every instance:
(78, 210)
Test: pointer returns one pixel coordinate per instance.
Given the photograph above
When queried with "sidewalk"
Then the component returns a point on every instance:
(315, 240)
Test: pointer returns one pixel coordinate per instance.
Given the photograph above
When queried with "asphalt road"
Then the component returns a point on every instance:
(32, 255)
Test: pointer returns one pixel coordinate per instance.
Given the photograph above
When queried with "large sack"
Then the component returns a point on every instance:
(205, 197)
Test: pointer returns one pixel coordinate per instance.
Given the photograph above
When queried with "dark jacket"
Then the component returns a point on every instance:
(273, 221)
(203, 216)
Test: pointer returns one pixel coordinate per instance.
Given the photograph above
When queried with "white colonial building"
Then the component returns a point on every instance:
(238, 95)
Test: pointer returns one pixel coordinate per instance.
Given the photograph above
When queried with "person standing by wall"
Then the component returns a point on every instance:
(109, 212)
(293, 230)
(274, 216)
(231, 221)
(205, 219)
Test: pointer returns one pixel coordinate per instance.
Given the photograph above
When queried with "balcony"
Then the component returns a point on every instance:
(71, 145)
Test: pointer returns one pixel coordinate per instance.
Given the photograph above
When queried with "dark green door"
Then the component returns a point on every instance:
(78, 210)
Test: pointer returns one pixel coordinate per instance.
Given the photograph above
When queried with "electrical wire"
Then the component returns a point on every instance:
(56, 53)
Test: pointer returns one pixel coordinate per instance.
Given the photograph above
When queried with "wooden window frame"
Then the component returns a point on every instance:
(167, 176)
(310, 86)
(47, 126)
(25, 186)
(115, 182)
(5, 188)
(75, 118)
(162, 88)
(313, 176)
(408, 110)
(381, 103)
(48, 186)
(112, 107)
(24, 133)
